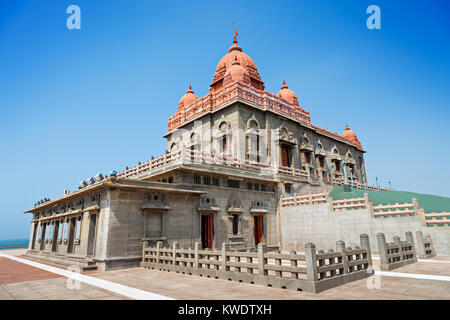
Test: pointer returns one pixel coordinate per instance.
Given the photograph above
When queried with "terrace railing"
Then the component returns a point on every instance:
(312, 271)
(392, 210)
(425, 248)
(349, 204)
(437, 219)
(308, 199)
(396, 254)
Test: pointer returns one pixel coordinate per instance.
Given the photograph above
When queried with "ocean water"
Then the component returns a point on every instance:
(13, 244)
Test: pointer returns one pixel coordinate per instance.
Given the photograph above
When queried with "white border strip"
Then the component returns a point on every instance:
(412, 275)
(103, 284)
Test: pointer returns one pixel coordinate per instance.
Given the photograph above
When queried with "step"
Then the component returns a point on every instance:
(63, 261)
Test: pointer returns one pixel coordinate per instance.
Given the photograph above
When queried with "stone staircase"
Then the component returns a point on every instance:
(83, 263)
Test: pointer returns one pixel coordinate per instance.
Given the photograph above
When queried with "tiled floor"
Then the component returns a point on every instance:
(19, 281)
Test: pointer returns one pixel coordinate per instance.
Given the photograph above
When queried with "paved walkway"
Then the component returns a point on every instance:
(48, 282)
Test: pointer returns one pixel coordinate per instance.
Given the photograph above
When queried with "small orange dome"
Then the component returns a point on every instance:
(187, 99)
(236, 71)
(350, 135)
(234, 51)
(227, 61)
(287, 94)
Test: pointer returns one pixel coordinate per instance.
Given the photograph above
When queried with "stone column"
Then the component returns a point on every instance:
(84, 235)
(367, 202)
(420, 244)
(158, 248)
(382, 250)
(399, 244)
(409, 238)
(224, 258)
(261, 260)
(311, 261)
(365, 244)
(196, 257)
(144, 246)
(174, 253)
(340, 247)
(31, 240)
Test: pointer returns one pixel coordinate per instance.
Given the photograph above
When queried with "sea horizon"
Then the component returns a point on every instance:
(14, 243)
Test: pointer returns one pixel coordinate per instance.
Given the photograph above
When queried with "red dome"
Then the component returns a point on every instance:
(228, 59)
(236, 72)
(287, 94)
(187, 99)
(235, 53)
(350, 135)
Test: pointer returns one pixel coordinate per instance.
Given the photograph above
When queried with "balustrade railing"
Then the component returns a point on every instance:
(312, 271)
(396, 254)
(437, 219)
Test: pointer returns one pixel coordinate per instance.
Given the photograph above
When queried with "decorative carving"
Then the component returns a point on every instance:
(234, 201)
(206, 201)
(286, 136)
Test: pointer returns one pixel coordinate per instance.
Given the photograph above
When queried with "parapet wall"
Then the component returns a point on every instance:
(320, 224)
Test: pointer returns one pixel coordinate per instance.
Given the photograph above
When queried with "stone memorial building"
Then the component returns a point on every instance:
(230, 156)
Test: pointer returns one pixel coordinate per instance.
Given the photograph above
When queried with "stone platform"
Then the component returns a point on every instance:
(21, 281)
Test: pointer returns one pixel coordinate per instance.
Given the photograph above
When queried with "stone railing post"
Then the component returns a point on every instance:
(367, 202)
(431, 248)
(422, 217)
(416, 207)
(420, 244)
(144, 246)
(261, 260)
(224, 257)
(419, 212)
(158, 248)
(382, 250)
(410, 239)
(340, 247)
(311, 261)
(365, 244)
(398, 243)
(310, 199)
(293, 264)
(196, 256)
(174, 253)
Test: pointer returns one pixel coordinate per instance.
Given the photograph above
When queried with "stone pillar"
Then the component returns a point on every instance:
(294, 275)
(84, 235)
(367, 202)
(311, 261)
(31, 240)
(224, 257)
(261, 260)
(340, 247)
(420, 244)
(174, 253)
(183, 154)
(382, 250)
(409, 237)
(196, 256)
(144, 246)
(365, 244)
(398, 243)
(158, 248)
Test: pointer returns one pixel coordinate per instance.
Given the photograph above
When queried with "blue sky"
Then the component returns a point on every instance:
(77, 102)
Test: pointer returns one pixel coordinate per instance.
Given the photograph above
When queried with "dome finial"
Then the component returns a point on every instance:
(190, 89)
(347, 127)
(284, 85)
(235, 40)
